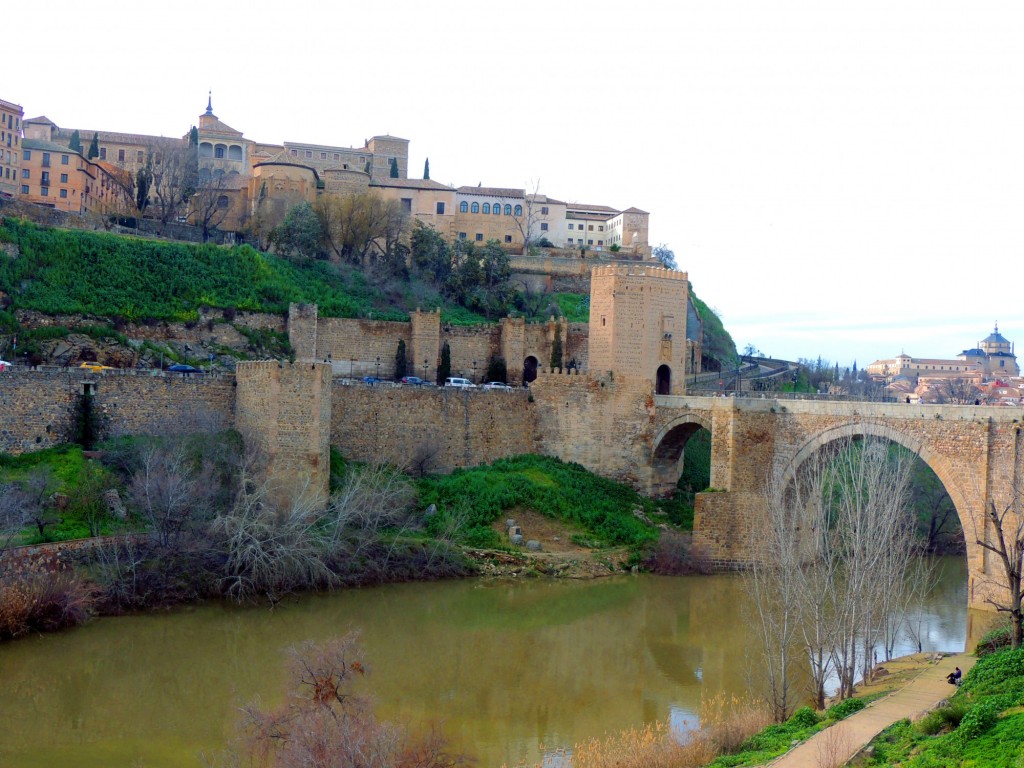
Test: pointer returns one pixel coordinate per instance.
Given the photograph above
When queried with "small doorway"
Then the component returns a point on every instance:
(663, 380)
(529, 369)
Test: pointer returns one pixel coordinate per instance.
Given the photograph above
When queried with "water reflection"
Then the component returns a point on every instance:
(514, 669)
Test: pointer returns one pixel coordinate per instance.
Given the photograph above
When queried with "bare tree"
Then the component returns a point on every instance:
(534, 213)
(957, 392)
(35, 495)
(210, 203)
(1004, 537)
(362, 225)
(12, 515)
(174, 172)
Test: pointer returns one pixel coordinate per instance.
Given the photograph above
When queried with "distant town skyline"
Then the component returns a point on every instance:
(838, 180)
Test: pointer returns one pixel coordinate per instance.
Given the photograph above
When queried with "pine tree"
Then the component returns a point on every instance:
(394, 167)
(94, 147)
(556, 347)
(445, 369)
(75, 145)
(400, 362)
(426, 169)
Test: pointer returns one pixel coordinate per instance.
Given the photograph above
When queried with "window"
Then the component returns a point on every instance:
(138, 156)
(323, 155)
(24, 189)
(508, 238)
(63, 178)
(45, 179)
(497, 209)
(600, 242)
(407, 204)
(487, 207)
(544, 211)
(543, 226)
(590, 242)
(571, 227)
(44, 191)
(508, 209)
(309, 153)
(120, 155)
(63, 159)
(440, 208)
(218, 151)
(479, 237)
(570, 241)
(600, 227)
(46, 159)
(103, 153)
(337, 157)
(295, 153)
(63, 193)
(25, 173)
(223, 202)
(519, 210)
(590, 227)
(474, 208)
(28, 154)
(463, 207)
(462, 235)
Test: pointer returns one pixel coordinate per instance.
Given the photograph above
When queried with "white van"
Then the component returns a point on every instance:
(457, 383)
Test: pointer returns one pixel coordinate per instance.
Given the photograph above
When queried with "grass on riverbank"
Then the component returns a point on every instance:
(982, 725)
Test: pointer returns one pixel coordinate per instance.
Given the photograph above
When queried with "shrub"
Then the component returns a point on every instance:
(844, 709)
(996, 673)
(994, 640)
(805, 717)
(673, 554)
(41, 597)
(979, 719)
(944, 718)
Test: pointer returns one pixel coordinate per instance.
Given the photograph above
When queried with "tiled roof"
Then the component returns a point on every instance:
(49, 146)
(591, 208)
(42, 119)
(411, 184)
(216, 125)
(11, 106)
(636, 210)
(113, 137)
(491, 191)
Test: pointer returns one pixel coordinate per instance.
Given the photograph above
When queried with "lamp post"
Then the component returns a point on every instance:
(330, 363)
(474, 371)
(378, 366)
(424, 369)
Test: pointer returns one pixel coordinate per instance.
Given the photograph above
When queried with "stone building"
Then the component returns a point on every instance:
(994, 356)
(10, 148)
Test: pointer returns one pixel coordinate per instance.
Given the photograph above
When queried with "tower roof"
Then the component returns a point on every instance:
(995, 337)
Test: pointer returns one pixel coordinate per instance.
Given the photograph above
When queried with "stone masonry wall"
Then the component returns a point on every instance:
(39, 407)
(455, 428)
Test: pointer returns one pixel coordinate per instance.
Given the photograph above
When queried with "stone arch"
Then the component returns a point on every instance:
(530, 365)
(667, 450)
(234, 152)
(206, 149)
(663, 380)
(919, 445)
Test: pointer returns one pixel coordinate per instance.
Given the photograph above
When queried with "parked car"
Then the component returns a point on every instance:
(415, 381)
(372, 380)
(4, 365)
(496, 385)
(95, 367)
(459, 383)
(182, 368)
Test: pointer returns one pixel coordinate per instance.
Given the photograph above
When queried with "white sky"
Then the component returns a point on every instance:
(838, 178)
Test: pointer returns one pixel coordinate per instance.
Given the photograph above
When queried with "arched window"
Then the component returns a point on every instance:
(487, 207)
(223, 202)
(234, 152)
(463, 207)
(497, 209)
(206, 149)
(218, 150)
(475, 208)
(519, 210)
(663, 380)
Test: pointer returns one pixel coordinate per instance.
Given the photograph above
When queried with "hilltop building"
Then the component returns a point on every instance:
(243, 181)
(994, 356)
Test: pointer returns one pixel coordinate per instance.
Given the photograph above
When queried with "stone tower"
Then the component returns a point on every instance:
(638, 324)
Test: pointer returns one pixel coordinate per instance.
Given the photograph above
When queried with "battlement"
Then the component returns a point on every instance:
(637, 270)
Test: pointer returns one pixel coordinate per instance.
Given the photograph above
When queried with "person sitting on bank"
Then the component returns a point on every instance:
(953, 678)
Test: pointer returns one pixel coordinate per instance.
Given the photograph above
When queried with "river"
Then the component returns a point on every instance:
(511, 668)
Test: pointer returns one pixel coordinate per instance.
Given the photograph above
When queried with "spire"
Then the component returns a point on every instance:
(209, 104)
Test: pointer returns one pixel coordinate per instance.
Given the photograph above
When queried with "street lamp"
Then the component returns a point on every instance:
(378, 366)
(424, 369)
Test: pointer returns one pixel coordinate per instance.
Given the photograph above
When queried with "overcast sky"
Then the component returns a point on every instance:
(842, 179)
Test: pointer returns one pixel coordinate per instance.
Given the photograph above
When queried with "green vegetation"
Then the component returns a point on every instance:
(982, 725)
(776, 739)
(718, 344)
(575, 307)
(469, 501)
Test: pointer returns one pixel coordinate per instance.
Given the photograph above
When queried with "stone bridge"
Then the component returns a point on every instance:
(975, 451)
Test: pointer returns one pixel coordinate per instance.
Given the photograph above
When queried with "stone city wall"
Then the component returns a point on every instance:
(445, 428)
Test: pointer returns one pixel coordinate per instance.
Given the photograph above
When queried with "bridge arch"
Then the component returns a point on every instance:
(667, 450)
(938, 463)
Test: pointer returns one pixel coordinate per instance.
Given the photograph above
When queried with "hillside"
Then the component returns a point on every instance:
(106, 280)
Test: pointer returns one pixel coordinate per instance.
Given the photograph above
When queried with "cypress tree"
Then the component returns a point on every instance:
(426, 169)
(394, 167)
(75, 145)
(366, 168)
(94, 147)
(400, 362)
(445, 369)
(556, 347)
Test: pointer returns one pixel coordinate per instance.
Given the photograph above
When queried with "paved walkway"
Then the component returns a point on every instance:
(835, 745)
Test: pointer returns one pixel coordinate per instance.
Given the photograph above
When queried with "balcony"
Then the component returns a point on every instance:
(46, 163)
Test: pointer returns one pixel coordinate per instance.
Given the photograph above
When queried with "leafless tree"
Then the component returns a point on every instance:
(371, 499)
(362, 225)
(533, 215)
(209, 204)
(34, 494)
(12, 515)
(957, 392)
(1003, 536)
(174, 171)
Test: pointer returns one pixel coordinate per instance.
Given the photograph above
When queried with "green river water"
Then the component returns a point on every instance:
(511, 668)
